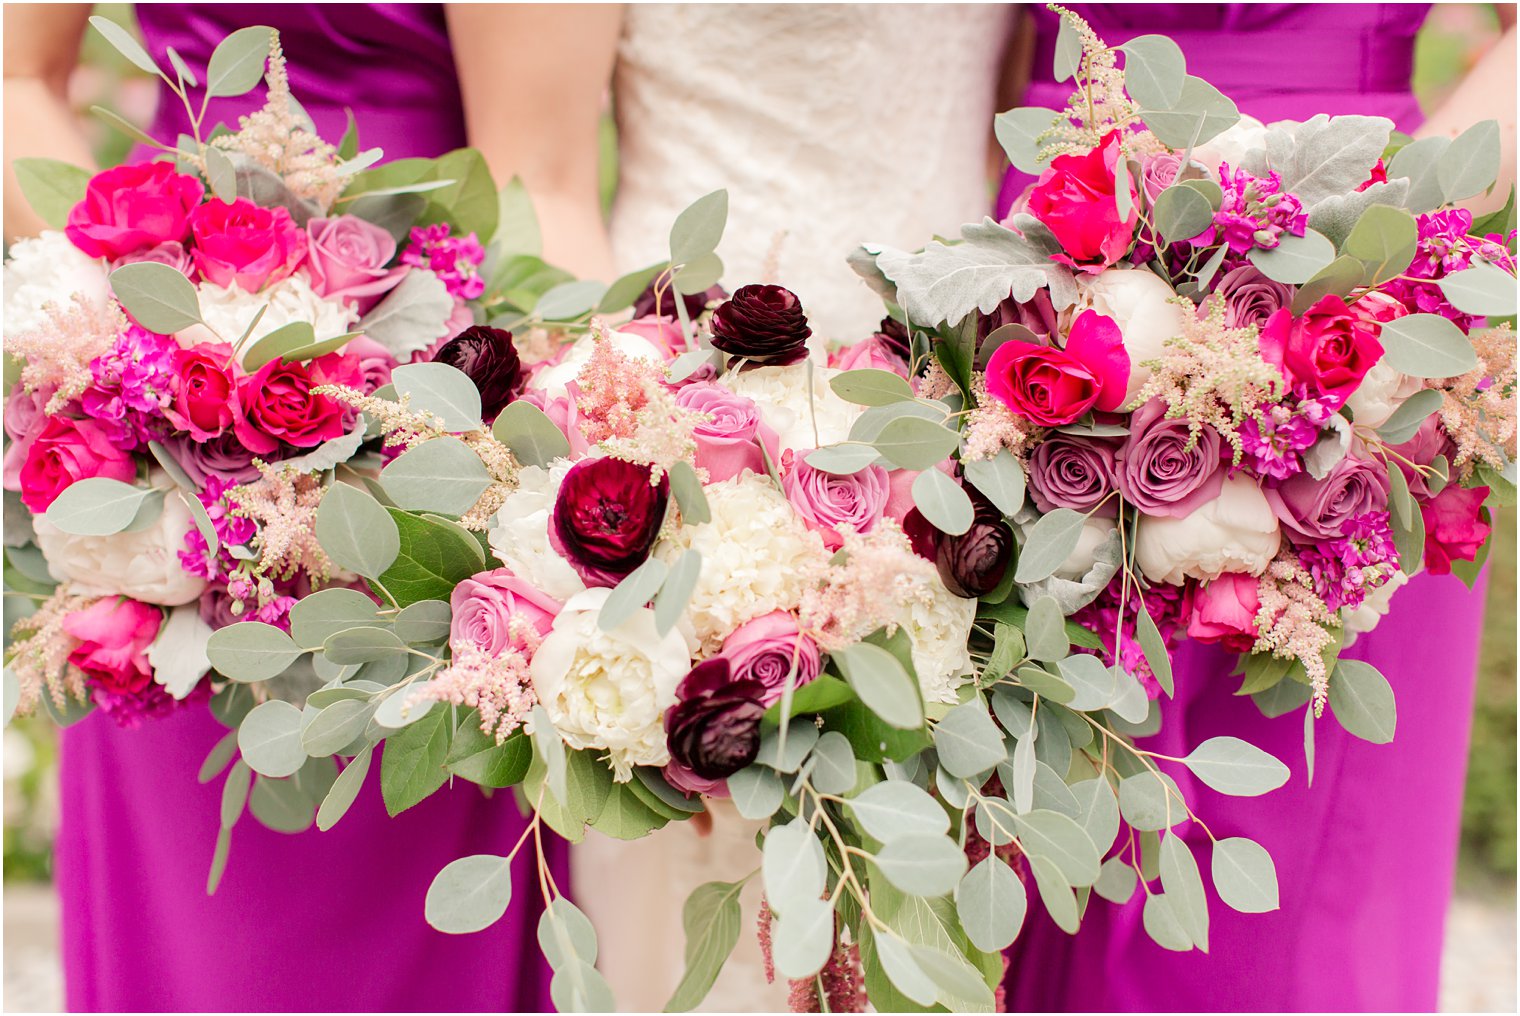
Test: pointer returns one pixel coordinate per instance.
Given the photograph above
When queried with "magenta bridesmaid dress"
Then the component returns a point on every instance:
(1365, 857)
(312, 921)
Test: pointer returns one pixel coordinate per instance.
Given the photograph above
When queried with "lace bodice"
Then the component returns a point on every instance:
(829, 124)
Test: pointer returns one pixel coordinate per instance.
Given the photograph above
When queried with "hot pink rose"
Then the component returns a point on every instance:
(485, 606)
(1454, 527)
(346, 260)
(869, 353)
(1055, 386)
(1075, 200)
(662, 333)
(130, 208)
(244, 244)
(1326, 352)
(204, 384)
(276, 404)
(767, 649)
(1224, 611)
(828, 503)
(114, 636)
(170, 252)
(65, 452)
(729, 442)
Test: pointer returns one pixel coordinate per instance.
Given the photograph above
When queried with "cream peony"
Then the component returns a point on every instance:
(1235, 532)
(782, 395)
(228, 312)
(49, 269)
(610, 689)
(143, 565)
(938, 630)
(757, 556)
(519, 534)
(551, 380)
(1139, 302)
(1246, 135)
(1383, 389)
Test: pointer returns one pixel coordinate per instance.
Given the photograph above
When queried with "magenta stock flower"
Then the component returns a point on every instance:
(243, 244)
(1255, 212)
(607, 517)
(132, 385)
(454, 259)
(1444, 247)
(1273, 446)
(128, 209)
(1055, 386)
(1360, 558)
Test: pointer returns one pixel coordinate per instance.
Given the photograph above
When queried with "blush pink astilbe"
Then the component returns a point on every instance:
(1294, 621)
(877, 575)
(57, 354)
(500, 687)
(41, 649)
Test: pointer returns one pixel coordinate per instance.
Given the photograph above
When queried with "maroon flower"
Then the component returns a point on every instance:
(714, 728)
(974, 563)
(490, 359)
(762, 324)
(607, 517)
(665, 303)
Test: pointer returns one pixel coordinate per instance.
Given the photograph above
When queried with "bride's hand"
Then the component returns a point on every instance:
(1486, 93)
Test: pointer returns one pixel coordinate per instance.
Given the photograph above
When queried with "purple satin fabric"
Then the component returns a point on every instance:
(313, 921)
(1366, 856)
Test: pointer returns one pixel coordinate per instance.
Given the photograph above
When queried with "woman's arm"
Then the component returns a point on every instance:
(41, 48)
(534, 80)
(1487, 93)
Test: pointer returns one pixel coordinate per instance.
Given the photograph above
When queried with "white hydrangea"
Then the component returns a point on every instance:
(519, 534)
(228, 311)
(938, 629)
(782, 395)
(143, 565)
(757, 557)
(610, 689)
(49, 269)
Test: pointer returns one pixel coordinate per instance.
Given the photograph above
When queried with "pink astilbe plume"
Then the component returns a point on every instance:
(611, 389)
(992, 426)
(40, 652)
(500, 687)
(1294, 621)
(57, 354)
(283, 504)
(1479, 408)
(872, 579)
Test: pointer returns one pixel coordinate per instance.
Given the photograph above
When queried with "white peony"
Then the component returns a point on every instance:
(143, 565)
(1235, 532)
(49, 269)
(1373, 609)
(782, 396)
(229, 311)
(610, 689)
(938, 631)
(1382, 390)
(1095, 533)
(552, 380)
(757, 556)
(519, 534)
(1246, 135)
(1139, 302)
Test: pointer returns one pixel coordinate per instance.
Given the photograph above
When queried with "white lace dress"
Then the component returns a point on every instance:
(829, 125)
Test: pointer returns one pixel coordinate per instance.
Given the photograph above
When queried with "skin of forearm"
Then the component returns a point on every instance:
(38, 124)
(1487, 93)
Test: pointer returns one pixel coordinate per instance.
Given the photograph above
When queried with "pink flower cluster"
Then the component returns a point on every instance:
(454, 259)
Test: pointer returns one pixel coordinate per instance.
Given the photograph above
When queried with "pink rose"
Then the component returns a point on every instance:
(1224, 611)
(204, 385)
(375, 361)
(1075, 200)
(65, 452)
(662, 333)
(1428, 442)
(729, 442)
(827, 503)
(1455, 528)
(869, 353)
(130, 208)
(487, 605)
(1156, 470)
(114, 636)
(170, 252)
(346, 260)
(276, 404)
(1315, 511)
(244, 244)
(1055, 386)
(1326, 352)
(24, 420)
(767, 649)
(563, 413)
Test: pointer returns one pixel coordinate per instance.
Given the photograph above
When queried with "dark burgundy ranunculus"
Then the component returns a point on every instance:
(1037, 314)
(922, 534)
(607, 517)
(490, 359)
(665, 304)
(762, 324)
(894, 336)
(973, 564)
(714, 727)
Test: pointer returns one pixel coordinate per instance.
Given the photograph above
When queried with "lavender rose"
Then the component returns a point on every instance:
(714, 728)
(347, 258)
(767, 649)
(1315, 511)
(1250, 297)
(223, 456)
(728, 443)
(827, 503)
(1158, 473)
(1068, 471)
(1158, 173)
(170, 252)
(607, 517)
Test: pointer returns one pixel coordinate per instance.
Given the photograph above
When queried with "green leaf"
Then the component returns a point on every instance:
(423, 622)
(251, 651)
(895, 808)
(1501, 221)
(1244, 875)
(1045, 631)
(1295, 259)
(882, 684)
(1419, 163)
(1050, 543)
(441, 475)
(216, 760)
(1427, 345)
(1405, 422)
(911, 442)
(1163, 925)
(1362, 701)
(901, 968)
(1482, 289)
(803, 938)
(967, 740)
(159, 297)
(871, 387)
(1471, 164)
(97, 506)
(1184, 887)
(1046, 684)
(626, 816)
(444, 391)
(277, 343)
(477, 757)
(991, 904)
(1056, 894)
(356, 532)
(1232, 766)
(221, 174)
(1200, 114)
(335, 727)
(235, 793)
(126, 44)
(787, 756)
(793, 866)
(1154, 70)
(628, 288)
(1150, 801)
(569, 300)
(756, 791)
(411, 768)
(51, 187)
(842, 459)
(579, 987)
(432, 558)
(921, 865)
(1098, 811)
(1181, 213)
(566, 933)
(675, 592)
(632, 594)
(316, 617)
(1016, 131)
(1001, 479)
(1116, 881)
(362, 645)
(470, 202)
(698, 275)
(690, 498)
(469, 894)
(1154, 648)
(237, 63)
(942, 501)
(711, 918)
(1384, 240)
(532, 436)
(345, 790)
(698, 228)
(1338, 278)
(1060, 840)
(269, 738)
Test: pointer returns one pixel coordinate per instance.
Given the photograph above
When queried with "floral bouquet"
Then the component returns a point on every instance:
(168, 349)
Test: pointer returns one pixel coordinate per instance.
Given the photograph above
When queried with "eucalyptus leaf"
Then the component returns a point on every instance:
(871, 387)
(991, 903)
(1060, 840)
(96, 506)
(894, 809)
(1055, 893)
(1427, 346)
(1163, 925)
(698, 228)
(251, 651)
(532, 436)
(569, 300)
(803, 938)
(690, 497)
(324, 613)
(125, 44)
(910, 442)
(1001, 479)
(882, 684)
(756, 791)
(441, 475)
(1200, 114)
(1419, 162)
(1017, 131)
(356, 532)
(1244, 875)
(1183, 885)
(842, 459)
(1384, 240)
(1154, 71)
(1151, 801)
(442, 390)
(1182, 213)
(942, 501)
(1232, 766)
(1405, 421)
(833, 764)
(1295, 259)
(469, 894)
(1472, 163)
(237, 63)
(711, 918)
(921, 865)
(792, 866)
(1362, 701)
(1116, 881)
(967, 740)
(632, 594)
(1481, 289)
(159, 297)
(52, 188)
(1045, 631)
(269, 739)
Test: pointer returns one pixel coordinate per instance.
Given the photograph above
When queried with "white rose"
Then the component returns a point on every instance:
(1139, 302)
(1373, 609)
(781, 393)
(143, 565)
(229, 311)
(1235, 532)
(552, 380)
(48, 269)
(610, 689)
(1382, 390)
(938, 631)
(519, 534)
(1079, 562)
(1247, 135)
